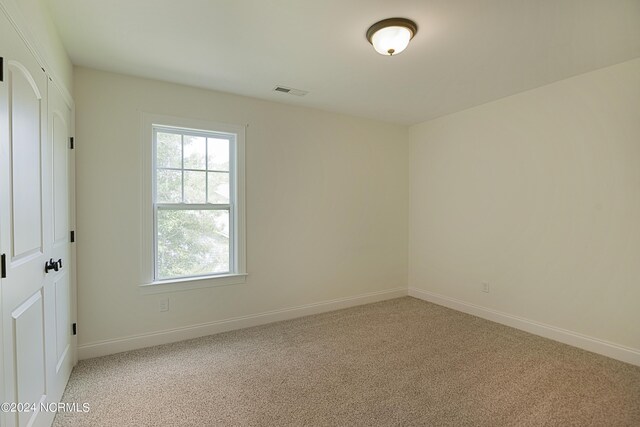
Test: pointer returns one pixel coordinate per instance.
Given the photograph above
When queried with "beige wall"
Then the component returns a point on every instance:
(538, 194)
(327, 206)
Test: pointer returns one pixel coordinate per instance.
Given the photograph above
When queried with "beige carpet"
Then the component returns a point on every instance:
(401, 362)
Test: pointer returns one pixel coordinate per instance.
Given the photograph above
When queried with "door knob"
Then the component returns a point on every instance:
(52, 265)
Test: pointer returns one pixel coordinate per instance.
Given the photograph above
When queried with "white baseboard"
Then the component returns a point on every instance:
(595, 345)
(605, 348)
(106, 347)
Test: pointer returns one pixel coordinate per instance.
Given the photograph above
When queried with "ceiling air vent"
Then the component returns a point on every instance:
(290, 90)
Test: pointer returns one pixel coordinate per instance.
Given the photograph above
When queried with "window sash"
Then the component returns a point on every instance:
(163, 168)
(193, 206)
(208, 207)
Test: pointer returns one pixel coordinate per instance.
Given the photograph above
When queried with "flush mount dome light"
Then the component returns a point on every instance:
(391, 36)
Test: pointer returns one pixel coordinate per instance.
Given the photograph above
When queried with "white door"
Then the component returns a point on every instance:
(33, 301)
(58, 281)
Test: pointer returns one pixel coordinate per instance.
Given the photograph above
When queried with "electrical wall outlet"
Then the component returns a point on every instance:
(164, 304)
(485, 287)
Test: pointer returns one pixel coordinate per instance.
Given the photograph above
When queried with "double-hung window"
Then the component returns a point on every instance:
(197, 209)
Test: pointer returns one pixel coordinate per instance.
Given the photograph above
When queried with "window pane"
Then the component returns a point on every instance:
(169, 186)
(218, 155)
(192, 242)
(194, 152)
(218, 187)
(195, 190)
(168, 150)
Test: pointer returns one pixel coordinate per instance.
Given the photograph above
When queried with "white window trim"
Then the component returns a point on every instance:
(148, 284)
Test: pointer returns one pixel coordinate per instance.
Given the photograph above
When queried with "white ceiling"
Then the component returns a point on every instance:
(466, 52)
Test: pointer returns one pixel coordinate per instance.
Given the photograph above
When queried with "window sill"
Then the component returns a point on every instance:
(178, 285)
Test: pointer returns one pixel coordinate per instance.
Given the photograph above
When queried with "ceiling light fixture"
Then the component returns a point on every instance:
(391, 36)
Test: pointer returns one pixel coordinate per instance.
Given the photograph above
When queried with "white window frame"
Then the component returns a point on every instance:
(237, 226)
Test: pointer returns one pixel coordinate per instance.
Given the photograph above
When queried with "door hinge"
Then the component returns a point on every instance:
(71, 143)
(73, 236)
(3, 266)
(74, 329)
(1, 69)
